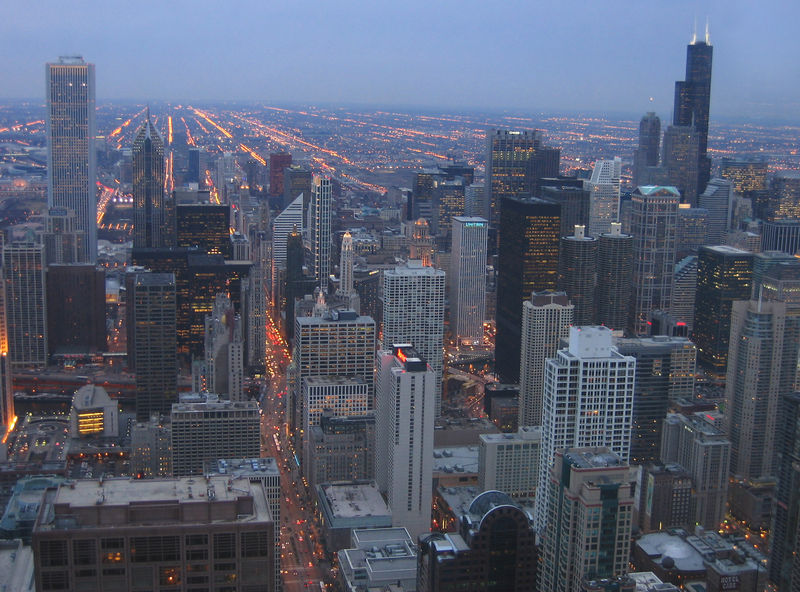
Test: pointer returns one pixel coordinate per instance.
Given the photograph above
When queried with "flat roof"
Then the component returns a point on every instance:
(353, 500)
(456, 459)
(245, 467)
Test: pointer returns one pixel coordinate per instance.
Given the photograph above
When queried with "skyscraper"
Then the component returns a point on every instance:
(71, 158)
(405, 406)
(155, 343)
(546, 319)
(724, 275)
(63, 242)
(717, 200)
(76, 308)
(785, 201)
(693, 99)
(468, 279)
(288, 220)
(151, 226)
(26, 304)
(587, 401)
(346, 265)
(413, 312)
(679, 160)
(527, 263)
(684, 291)
(614, 277)
(575, 201)
(654, 212)
(605, 188)
(278, 162)
(321, 196)
(577, 273)
(649, 142)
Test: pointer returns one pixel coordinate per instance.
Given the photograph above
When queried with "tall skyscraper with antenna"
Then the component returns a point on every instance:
(150, 228)
(693, 99)
(71, 159)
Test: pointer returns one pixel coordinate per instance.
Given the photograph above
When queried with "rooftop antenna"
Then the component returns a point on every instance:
(708, 37)
(694, 31)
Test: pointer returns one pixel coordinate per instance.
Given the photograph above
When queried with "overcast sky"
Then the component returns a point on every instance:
(532, 55)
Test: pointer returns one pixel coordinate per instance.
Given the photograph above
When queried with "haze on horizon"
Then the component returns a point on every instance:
(571, 55)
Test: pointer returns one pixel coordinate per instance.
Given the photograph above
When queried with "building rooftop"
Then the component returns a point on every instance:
(90, 396)
(333, 379)
(353, 500)
(244, 467)
(16, 567)
(593, 458)
(726, 250)
(658, 190)
(661, 545)
(525, 433)
(456, 459)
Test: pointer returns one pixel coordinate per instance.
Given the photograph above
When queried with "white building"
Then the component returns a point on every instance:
(546, 319)
(468, 279)
(413, 312)
(604, 200)
(588, 401)
(510, 462)
(71, 155)
(405, 404)
(379, 559)
(93, 413)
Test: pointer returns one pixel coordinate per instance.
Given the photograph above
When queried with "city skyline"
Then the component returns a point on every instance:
(417, 57)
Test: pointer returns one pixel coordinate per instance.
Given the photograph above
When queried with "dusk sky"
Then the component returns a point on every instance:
(533, 55)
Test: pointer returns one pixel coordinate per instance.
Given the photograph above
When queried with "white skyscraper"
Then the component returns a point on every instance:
(605, 188)
(321, 197)
(346, 266)
(405, 400)
(468, 278)
(413, 312)
(284, 223)
(71, 158)
(588, 401)
(546, 319)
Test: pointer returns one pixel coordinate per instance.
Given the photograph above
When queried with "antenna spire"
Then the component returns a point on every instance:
(708, 36)
(694, 32)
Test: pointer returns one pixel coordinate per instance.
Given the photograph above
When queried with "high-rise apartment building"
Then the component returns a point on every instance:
(693, 100)
(71, 158)
(705, 453)
(205, 428)
(405, 406)
(151, 216)
(605, 188)
(614, 277)
(25, 304)
(724, 275)
(510, 462)
(468, 279)
(654, 212)
(154, 340)
(527, 263)
(413, 312)
(577, 273)
(546, 319)
(590, 516)
(588, 400)
(649, 143)
(665, 373)
(321, 198)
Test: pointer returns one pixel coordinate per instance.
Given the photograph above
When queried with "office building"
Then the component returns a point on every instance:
(765, 342)
(718, 201)
(692, 103)
(448, 202)
(527, 263)
(590, 515)
(684, 290)
(614, 277)
(413, 312)
(668, 501)
(588, 400)
(723, 276)
(405, 403)
(646, 155)
(122, 534)
(346, 506)
(605, 188)
(494, 548)
(63, 242)
(679, 160)
(781, 235)
(76, 308)
(654, 212)
(151, 215)
(510, 462)
(71, 157)
(346, 266)
(342, 448)
(289, 220)
(515, 161)
(546, 319)
(574, 199)
(193, 167)
(93, 413)
(665, 373)
(339, 343)
(25, 304)
(224, 351)
(278, 161)
(785, 188)
(7, 415)
(468, 279)
(692, 231)
(475, 202)
(154, 340)
(205, 226)
(151, 448)
(379, 558)
(766, 262)
(746, 175)
(205, 428)
(703, 450)
(320, 230)
(577, 273)
(297, 181)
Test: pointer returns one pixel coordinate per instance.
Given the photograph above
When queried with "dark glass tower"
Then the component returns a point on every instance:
(614, 277)
(149, 219)
(649, 141)
(527, 263)
(692, 100)
(577, 273)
